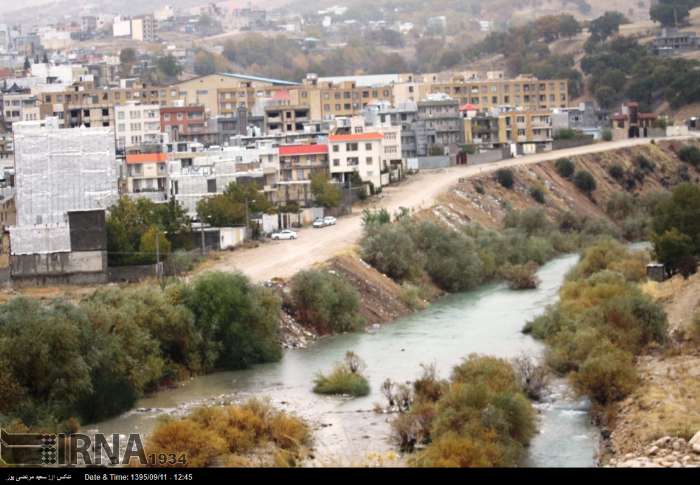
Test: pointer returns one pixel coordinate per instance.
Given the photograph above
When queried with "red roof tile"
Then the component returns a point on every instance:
(356, 137)
(313, 149)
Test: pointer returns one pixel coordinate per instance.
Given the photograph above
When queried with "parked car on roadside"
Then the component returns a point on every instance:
(329, 220)
(286, 234)
(319, 223)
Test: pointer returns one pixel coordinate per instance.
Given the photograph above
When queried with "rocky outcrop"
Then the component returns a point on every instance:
(666, 452)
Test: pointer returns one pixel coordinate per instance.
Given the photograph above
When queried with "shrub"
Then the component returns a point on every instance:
(239, 323)
(537, 194)
(531, 221)
(607, 134)
(391, 250)
(521, 276)
(346, 378)
(326, 301)
(504, 176)
(607, 375)
(451, 259)
(565, 167)
(676, 251)
(376, 217)
(480, 418)
(215, 436)
(616, 171)
(585, 182)
(690, 154)
(532, 376)
(411, 297)
(644, 164)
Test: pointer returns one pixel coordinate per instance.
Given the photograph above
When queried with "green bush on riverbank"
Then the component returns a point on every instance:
(601, 322)
(462, 258)
(94, 359)
(326, 302)
(345, 378)
(479, 418)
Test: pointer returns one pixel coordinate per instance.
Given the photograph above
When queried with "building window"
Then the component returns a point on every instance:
(211, 186)
(351, 147)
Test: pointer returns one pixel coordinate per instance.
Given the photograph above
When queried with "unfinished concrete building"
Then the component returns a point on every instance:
(65, 179)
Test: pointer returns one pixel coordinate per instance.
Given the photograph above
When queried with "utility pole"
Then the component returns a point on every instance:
(158, 269)
(247, 219)
(201, 231)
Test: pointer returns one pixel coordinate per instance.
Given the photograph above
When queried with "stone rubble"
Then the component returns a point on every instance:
(666, 452)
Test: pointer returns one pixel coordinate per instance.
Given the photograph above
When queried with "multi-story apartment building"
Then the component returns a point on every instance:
(18, 105)
(359, 153)
(147, 175)
(441, 114)
(525, 127)
(281, 116)
(495, 128)
(182, 121)
(221, 94)
(137, 124)
(297, 166)
(327, 99)
(525, 92)
(84, 104)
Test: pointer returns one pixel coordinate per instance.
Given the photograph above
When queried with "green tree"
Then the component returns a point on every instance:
(676, 251)
(127, 59)
(43, 354)
(326, 301)
(239, 322)
(606, 25)
(585, 182)
(149, 247)
(168, 67)
(324, 192)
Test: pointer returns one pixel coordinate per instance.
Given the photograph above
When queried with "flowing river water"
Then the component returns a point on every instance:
(347, 431)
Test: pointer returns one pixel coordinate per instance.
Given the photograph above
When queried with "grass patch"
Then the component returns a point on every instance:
(345, 379)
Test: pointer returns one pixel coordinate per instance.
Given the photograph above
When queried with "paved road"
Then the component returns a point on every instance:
(285, 258)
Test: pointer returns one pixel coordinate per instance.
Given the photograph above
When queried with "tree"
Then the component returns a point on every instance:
(27, 64)
(672, 13)
(204, 63)
(569, 26)
(680, 211)
(239, 322)
(505, 177)
(325, 193)
(565, 167)
(585, 182)
(168, 66)
(127, 59)
(150, 249)
(128, 221)
(230, 208)
(606, 25)
(676, 252)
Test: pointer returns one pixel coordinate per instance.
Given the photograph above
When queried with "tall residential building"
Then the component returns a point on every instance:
(64, 181)
(359, 153)
(137, 124)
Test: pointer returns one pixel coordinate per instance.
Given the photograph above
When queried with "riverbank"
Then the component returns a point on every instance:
(348, 432)
(655, 425)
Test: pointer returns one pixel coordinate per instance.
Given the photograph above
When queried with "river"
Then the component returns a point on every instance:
(347, 431)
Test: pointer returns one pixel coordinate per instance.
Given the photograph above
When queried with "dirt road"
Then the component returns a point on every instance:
(284, 258)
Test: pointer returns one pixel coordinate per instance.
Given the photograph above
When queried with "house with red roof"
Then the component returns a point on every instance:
(360, 153)
(298, 164)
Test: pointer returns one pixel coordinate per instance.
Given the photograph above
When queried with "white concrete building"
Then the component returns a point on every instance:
(356, 152)
(137, 124)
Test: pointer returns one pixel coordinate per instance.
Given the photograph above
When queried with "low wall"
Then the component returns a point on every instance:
(131, 274)
(59, 265)
(576, 142)
(489, 156)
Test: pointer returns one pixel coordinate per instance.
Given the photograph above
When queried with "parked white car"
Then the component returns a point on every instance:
(329, 221)
(284, 235)
(319, 223)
